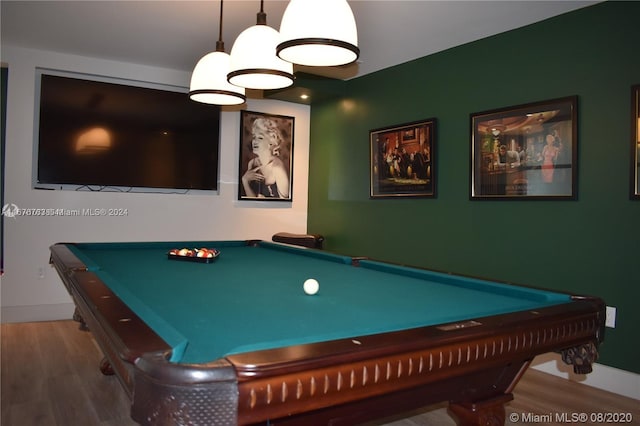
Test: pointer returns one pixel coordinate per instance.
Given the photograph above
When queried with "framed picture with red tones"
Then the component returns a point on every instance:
(526, 151)
(402, 160)
(635, 142)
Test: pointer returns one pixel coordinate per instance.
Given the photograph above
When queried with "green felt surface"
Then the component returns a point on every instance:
(251, 298)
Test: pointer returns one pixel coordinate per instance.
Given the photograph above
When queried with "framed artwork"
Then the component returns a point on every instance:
(402, 160)
(266, 157)
(635, 142)
(526, 151)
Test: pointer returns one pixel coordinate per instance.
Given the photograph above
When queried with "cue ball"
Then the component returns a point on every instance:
(311, 286)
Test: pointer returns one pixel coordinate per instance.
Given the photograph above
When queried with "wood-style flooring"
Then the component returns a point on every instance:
(50, 377)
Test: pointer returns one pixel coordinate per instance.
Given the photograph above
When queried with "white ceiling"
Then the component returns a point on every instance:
(175, 34)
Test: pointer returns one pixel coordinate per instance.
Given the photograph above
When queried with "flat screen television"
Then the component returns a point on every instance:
(102, 134)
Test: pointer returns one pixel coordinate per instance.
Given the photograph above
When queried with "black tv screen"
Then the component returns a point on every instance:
(103, 134)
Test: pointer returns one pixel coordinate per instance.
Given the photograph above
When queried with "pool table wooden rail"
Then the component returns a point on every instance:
(310, 384)
(473, 365)
(122, 336)
(484, 361)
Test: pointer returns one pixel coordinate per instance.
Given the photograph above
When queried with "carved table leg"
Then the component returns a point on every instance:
(106, 368)
(581, 357)
(490, 412)
(78, 318)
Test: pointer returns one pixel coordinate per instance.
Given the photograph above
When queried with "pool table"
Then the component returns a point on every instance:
(237, 341)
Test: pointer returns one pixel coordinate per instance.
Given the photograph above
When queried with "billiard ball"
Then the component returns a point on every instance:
(183, 252)
(311, 286)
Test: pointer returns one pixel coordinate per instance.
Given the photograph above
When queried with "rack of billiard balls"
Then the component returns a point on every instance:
(203, 255)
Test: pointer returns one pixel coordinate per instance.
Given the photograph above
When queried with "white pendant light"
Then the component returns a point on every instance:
(209, 83)
(254, 64)
(318, 33)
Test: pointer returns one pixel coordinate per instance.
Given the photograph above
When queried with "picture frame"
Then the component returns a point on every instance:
(402, 160)
(527, 151)
(635, 142)
(266, 157)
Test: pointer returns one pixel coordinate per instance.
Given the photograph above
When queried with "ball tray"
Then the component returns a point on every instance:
(193, 257)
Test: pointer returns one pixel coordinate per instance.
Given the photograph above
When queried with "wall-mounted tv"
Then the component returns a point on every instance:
(105, 134)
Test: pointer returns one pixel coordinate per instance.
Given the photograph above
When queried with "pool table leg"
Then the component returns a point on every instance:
(77, 317)
(106, 368)
(105, 365)
(490, 412)
(581, 357)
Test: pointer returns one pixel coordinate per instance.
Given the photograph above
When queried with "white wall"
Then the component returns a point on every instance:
(30, 288)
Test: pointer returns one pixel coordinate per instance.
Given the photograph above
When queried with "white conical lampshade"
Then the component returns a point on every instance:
(209, 81)
(254, 63)
(318, 33)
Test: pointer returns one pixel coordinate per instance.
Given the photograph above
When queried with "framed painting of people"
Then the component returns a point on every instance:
(402, 160)
(525, 152)
(266, 157)
(635, 142)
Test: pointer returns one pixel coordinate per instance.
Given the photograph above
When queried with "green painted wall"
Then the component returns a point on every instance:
(588, 246)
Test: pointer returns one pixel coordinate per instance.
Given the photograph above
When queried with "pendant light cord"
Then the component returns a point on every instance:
(262, 17)
(220, 43)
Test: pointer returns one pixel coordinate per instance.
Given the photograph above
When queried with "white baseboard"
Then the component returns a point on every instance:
(603, 377)
(34, 313)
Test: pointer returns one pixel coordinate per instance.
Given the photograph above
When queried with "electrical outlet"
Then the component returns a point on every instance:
(41, 272)
(610, 319)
